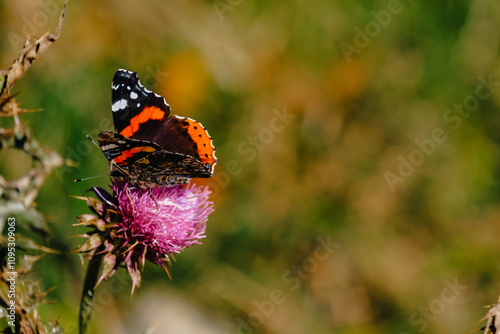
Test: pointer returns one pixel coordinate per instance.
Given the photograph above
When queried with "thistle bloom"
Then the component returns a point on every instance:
(162, 220)
(137, 224)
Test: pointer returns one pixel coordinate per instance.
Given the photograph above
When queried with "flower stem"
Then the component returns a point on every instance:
(88, 293)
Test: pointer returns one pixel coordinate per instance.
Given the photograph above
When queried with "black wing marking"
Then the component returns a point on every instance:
(129, 97)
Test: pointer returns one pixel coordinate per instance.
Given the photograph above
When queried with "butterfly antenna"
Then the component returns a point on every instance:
(90, 178)
(93, 142)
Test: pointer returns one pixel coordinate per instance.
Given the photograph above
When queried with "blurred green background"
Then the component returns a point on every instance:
(357, 185)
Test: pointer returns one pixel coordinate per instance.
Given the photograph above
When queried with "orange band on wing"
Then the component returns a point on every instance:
(145, 115)
(203, 142)
(129, 153)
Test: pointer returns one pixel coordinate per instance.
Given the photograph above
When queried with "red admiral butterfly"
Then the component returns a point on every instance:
(150, 148)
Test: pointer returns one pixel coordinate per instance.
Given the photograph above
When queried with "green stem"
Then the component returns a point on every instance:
(88, 293)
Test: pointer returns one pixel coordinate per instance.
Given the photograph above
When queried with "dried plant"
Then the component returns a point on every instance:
(17, 201)
(492, 318)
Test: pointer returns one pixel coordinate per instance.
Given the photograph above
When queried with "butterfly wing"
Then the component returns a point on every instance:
(189, 137)
(163, 164)
(137, 112)
(148, 141)
(123, 151)
(145, 164)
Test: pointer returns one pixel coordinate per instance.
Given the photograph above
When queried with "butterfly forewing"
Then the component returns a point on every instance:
(136, 110)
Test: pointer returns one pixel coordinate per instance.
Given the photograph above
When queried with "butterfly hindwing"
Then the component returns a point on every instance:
(189, 137)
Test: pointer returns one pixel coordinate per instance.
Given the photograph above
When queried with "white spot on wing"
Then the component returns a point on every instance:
(133, 95)
(119, 105)
(108, 147)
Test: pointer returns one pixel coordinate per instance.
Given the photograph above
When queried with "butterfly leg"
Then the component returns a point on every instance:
(151, 194)
(131, 202)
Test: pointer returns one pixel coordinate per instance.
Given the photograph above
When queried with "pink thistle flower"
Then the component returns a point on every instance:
(137, 224)
(162, 220)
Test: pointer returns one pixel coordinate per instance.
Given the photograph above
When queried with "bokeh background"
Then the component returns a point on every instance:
(357, 188)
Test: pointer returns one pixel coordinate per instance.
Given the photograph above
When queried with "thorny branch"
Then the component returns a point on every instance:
(17, 196)
(29, 53)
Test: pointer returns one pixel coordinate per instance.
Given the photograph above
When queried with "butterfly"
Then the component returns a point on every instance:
(150, 147)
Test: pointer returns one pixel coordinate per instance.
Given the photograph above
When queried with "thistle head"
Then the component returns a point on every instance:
(134, 225)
